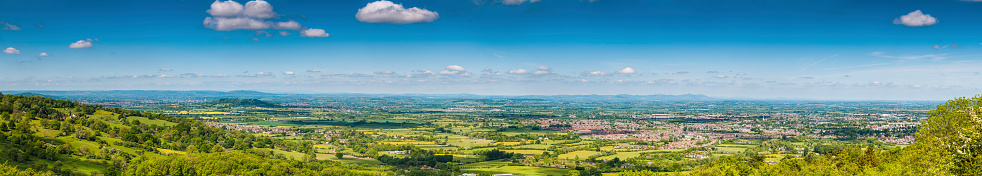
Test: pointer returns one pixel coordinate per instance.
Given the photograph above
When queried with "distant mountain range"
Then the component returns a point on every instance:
(244, 94)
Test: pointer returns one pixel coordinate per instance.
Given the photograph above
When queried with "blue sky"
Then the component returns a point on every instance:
(860, 50)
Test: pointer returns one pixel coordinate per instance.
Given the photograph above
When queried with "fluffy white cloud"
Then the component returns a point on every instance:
(225, 9)
(314, 71)
(43, 55)
(254, 9)
(262, 74)
(626, 71)
(720, 76)
(387, 12)
(288, 73)
(518, 72)
(916, 19)
(230, 15)
(81, 44)
(292, 25)
(455, 68)
(235, 23)
(258, 9)
(542, 72)
(544, 68)
(11, 50)
(9, 27)
(166, 69)
(314, 33)
(87, 43)
(284, 33)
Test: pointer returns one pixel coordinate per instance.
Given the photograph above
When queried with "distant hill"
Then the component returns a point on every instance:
(624, 97)
(235, 102)
(144, 94)
(37, 94)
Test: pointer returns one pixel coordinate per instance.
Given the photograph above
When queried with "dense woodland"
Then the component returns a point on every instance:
(46, 136)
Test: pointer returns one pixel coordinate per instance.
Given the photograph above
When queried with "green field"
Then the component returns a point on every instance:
(526, 152)
(578, 154)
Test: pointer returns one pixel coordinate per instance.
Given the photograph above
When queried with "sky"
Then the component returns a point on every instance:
(829, 49)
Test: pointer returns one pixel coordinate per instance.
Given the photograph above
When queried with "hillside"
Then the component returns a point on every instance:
(46, 136)
(226, 103)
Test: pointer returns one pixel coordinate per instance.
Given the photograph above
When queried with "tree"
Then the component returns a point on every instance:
(339, 155)
(950, 140)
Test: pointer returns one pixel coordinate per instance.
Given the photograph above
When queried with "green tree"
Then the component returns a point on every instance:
(950, 141)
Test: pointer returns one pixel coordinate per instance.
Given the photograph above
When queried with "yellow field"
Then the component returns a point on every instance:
(582, 154)
(322, 146)
(407, 142)
(170, 151)
(196, 113)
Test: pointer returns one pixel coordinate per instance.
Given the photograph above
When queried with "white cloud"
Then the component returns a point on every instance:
(264, 33)
(11, 50)
(314, 33)
(258, 9)
(262, 74)
(284, 33)
(626, 71)
(518, 72)
(43, 55)
(720, 76)
(544, 68)
(219, 75)
(9, 27)
(596, 73)
(542, 72)
(288, 73)
(225, 9)
(255, 9)
(448, 72)
(314, 71)
(385, 73)
(916, 19)
(166, 69)
(292, 25)
(420, 74)
(235, 23)
(387, 12)
(519, 2)
(230, 15)
(455, 68)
